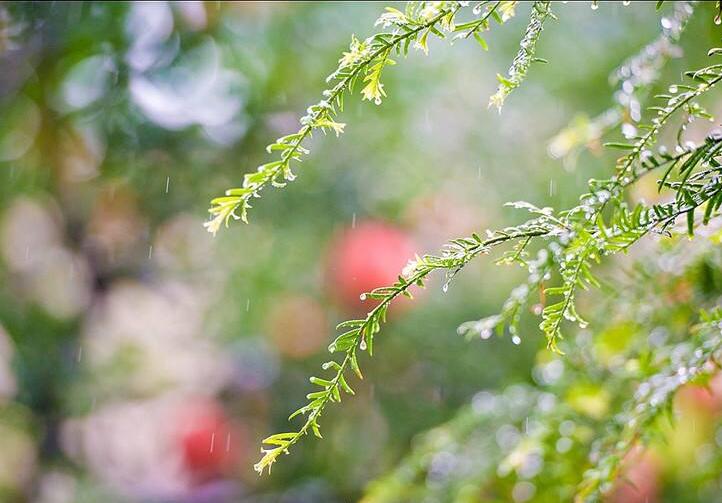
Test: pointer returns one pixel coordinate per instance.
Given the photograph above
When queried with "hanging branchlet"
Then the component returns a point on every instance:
(364, 60)
(509, 317)
(525, 57)
(358, 335)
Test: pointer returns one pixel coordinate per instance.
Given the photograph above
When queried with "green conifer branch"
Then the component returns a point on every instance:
(369, 57)
(525, 57)
(360, 333)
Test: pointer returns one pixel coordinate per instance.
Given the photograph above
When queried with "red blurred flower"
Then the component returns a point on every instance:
(210, 443)
(365, 257)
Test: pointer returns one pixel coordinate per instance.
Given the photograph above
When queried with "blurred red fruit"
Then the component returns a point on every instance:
(639, 482)
(365, 257)
(695, 397)
(209, 442)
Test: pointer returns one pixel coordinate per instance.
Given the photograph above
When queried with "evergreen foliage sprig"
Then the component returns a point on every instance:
(525, 57)
(359, 334)
(590, 237)
(365, 60)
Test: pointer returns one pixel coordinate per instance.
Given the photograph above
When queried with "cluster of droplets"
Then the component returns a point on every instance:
(539, 269)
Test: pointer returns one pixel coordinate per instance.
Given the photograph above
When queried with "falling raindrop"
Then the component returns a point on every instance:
(353, 221)
(248, 305)
(213, 441)
(228, 442)
(516, 340)
(551, 188)
(150, 252)
(80, 353)
(167, 184)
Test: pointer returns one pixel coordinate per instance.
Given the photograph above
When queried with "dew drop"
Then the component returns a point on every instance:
(516, 340)
(673, 89)
(362, 345)
(629, 131)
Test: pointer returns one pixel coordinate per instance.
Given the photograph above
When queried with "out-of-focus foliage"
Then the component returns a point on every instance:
(141, 359)
(531, 443)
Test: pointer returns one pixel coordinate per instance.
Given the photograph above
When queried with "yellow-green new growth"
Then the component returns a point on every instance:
(365, 59)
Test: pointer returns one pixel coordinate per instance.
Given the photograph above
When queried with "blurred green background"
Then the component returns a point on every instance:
(141, 359)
